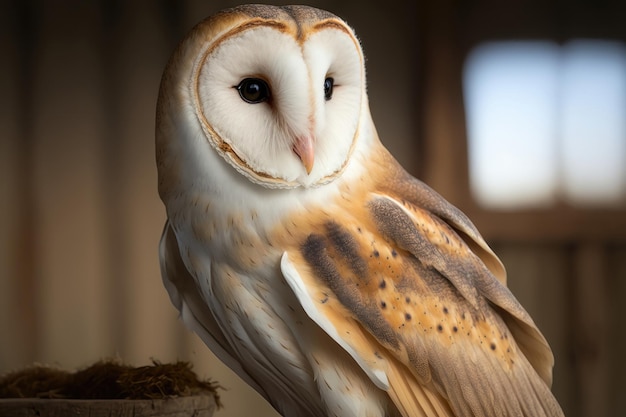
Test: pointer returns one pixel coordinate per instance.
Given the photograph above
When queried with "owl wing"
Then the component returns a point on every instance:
(194, 311)
(187, 297)
(406, 285)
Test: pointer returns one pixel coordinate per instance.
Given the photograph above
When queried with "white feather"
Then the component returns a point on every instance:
(293, 278)
(263, 134)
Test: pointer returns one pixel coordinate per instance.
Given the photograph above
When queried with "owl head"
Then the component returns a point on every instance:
(274, 96)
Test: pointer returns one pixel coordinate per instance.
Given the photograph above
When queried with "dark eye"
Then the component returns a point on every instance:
(253, 90)
(328, 88)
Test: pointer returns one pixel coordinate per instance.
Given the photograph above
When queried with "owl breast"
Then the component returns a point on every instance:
(231, 252)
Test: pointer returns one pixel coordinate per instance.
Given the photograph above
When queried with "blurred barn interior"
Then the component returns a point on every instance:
(80, 215)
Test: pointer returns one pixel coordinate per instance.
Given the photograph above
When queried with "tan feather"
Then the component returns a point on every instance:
(401, 186)
(412, 398)
(408, 296)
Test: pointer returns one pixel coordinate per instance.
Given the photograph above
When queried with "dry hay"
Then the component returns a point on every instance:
(107, 379)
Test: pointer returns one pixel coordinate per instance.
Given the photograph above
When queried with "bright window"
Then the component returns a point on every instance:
(547, 123)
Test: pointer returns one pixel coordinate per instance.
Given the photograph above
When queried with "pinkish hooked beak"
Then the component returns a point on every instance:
(305, 151)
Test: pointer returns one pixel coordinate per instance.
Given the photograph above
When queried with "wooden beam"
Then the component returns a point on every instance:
(591, 329)
(557, 224)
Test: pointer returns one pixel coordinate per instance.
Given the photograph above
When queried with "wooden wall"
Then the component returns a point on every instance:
(80, 216)
(81, 219)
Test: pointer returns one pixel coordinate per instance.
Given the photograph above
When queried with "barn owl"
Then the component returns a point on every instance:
(305, 257)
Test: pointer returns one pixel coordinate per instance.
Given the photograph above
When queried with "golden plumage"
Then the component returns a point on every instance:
(399, 266)
(333, 283)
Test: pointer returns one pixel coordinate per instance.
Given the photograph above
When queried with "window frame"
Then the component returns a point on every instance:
(448, 33)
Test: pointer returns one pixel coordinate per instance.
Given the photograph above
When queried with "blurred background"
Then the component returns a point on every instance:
(515, 111)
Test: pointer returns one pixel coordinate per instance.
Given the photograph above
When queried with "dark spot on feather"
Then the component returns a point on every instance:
(492, 346)
(383, 304)
(376, 253)
(456, 274)
(394, 253)
(445, 310)
(439, 328)
(378, 355)
(325, 300)
(455, 329)
(407, 316)
(382, 284)
(407, 299)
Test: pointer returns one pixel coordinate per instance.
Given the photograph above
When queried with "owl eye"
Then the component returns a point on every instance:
(253, 90)
(328, 88)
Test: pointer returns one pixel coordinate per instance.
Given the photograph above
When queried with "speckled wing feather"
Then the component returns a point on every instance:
(408, 287)
(402, 187)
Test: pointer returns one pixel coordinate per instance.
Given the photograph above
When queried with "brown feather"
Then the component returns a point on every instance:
(415, 194)
(406, 289)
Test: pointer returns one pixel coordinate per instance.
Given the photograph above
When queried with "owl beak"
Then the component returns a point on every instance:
(305, 151)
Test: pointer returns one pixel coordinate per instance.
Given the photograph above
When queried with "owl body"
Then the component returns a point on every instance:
(305, 257)
(231, 244)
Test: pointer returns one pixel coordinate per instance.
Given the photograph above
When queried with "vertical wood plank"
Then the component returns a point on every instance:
(15, 334)
(146, 320)
(616, 268)
(444, 153)
(591, 327)
(67, 121)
